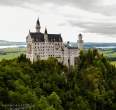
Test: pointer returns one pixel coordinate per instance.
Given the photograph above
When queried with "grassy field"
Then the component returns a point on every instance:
(113, 63)
(110, 53)
(10, 53)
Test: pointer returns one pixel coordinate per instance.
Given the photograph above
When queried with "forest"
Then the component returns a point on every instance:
(49, 85)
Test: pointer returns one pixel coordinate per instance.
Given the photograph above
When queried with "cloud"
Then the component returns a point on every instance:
(12, 2)
(93, 16)
(106, 7)
(105, 28)
(77, 3)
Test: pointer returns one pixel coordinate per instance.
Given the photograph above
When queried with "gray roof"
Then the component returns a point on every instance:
(38, 22)
(39, 37)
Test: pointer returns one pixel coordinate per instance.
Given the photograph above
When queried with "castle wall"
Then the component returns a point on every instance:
(43, 45)
(69, 55)
(43, 50)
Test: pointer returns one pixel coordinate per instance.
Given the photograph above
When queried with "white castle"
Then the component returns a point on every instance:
(44, 45)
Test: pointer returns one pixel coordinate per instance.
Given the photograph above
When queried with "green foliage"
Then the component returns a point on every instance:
(45, 84)
(51, 102)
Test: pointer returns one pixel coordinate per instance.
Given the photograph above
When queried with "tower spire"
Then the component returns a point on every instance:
(46, 35)
(46, 31)
(38, 21)
(38, 27)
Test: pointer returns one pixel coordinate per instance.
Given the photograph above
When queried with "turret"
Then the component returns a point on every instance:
(29, 32)
(46, 35)
(80, 42)
(38, 27)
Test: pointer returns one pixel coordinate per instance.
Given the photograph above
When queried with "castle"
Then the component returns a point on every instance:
(45, 45)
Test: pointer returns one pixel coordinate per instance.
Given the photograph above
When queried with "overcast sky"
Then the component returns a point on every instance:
(95, 19)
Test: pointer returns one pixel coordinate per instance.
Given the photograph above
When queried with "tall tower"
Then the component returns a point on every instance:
(38, 27)
(80, 41)
(46, 35)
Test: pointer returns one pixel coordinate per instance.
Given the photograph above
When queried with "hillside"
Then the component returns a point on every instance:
(73, 44)
(48, 85)
(96, 45)
(8, 43)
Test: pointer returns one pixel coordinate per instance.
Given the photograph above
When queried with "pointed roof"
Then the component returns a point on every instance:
(46, 31)
(38, 23)
(29, 31)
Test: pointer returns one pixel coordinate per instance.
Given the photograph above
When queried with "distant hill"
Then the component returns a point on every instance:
(8, 43)
(100, 45)
(95, 45)
(73, 44)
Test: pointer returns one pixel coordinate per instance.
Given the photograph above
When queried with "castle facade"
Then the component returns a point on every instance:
(45, 45)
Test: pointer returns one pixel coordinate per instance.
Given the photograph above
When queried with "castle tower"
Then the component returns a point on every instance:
(38, 27)
(46, 35)
(80, 42)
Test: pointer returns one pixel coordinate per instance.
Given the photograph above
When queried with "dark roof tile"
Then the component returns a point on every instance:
(39, 37)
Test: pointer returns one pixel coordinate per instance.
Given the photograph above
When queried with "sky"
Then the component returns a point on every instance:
(95, 19)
